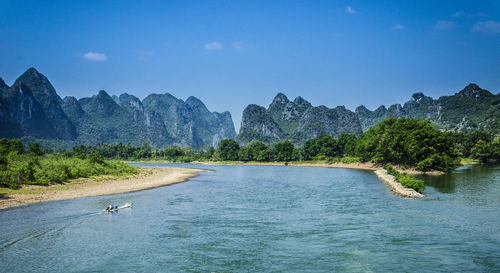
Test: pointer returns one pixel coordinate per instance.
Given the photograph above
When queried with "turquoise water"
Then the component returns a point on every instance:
(266, 219)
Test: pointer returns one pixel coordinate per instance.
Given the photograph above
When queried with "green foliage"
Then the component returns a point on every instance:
(405, 179)
(347, 144)
(409, 142)
(34, 168)
(252, 151)
(35, 149)
(324, 145)
(228, 150)
(283, 151)
(11, 145)
(486, 151)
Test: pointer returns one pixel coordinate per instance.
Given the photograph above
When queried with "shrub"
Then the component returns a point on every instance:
(405, 179)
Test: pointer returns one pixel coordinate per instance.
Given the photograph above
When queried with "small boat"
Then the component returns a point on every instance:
(127, 205)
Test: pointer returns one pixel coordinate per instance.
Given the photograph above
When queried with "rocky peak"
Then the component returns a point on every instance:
(301, 102)
(40, 86)
(395, 108)
(279, 102)
(362, 110)
(44, 93)
(2, 84)
(381, 109)
(473, 91)
(131, 102)
(72, 107)
(417, 97)
(197, 105)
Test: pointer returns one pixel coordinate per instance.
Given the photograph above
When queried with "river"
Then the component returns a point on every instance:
(266, 219)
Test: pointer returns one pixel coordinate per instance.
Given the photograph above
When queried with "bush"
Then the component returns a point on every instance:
(405, 179)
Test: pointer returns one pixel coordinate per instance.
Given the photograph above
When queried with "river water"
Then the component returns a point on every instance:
(266, 219)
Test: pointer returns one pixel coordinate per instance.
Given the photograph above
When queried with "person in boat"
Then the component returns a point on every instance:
(110, 207)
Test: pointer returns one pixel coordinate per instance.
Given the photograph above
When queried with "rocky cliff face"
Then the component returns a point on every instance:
(32, 108)
(190, 123)
(295, 120)
(473, 108)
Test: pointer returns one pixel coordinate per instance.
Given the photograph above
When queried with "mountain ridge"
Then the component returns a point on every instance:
(472, 108)
(32, 109)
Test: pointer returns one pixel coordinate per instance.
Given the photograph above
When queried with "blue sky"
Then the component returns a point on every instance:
(233, 53)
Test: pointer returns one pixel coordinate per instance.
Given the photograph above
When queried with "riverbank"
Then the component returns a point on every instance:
(367, 166)
(148, 178)
(395, 186)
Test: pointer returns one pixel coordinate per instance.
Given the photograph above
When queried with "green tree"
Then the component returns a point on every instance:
(323, 145)
(245, 153)
(228, 149)
(283, 151)
(34, 149)
(409, 142)
(347, 144)
(265, 155)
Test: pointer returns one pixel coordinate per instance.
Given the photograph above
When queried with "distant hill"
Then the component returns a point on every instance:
(31, 109)
(295, 120)
(473, 108)
(470, 109)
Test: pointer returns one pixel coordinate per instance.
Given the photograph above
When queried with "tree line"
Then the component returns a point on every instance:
(403, 141)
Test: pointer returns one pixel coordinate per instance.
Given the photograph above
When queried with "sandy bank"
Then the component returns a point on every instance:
(148, 178)
(395, 186)
(357, 166)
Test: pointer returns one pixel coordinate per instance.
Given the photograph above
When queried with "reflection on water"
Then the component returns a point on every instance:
(475, 177)
(266, 219)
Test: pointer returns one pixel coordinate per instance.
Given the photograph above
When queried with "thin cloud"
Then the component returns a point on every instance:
(145, 55)
(491, 27)
(461, 14)
(238, 45)
(350, 10)
(95, 57)
(444, 25)
(213, 46)
(398, 27)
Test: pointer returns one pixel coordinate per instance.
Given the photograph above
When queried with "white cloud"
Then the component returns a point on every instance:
(458, 14)
(487, 27)
(95, 57)
(238, 45)
(213, 46)
(444, 25)
(398, 27)
(350, 10)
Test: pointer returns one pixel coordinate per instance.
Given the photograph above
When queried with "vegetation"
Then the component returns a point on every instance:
(34, 167)
(404, 142)
(405, 179)
(409, 142)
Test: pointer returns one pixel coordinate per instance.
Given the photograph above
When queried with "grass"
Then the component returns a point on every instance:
(53, 169)
(405, 179)
(465, 161)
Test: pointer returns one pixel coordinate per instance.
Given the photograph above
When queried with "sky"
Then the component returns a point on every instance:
(233, 53)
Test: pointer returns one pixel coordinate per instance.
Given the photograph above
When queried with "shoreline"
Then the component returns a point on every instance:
(395, 186)
(148, 178)
(382, 175)
(367, 166)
